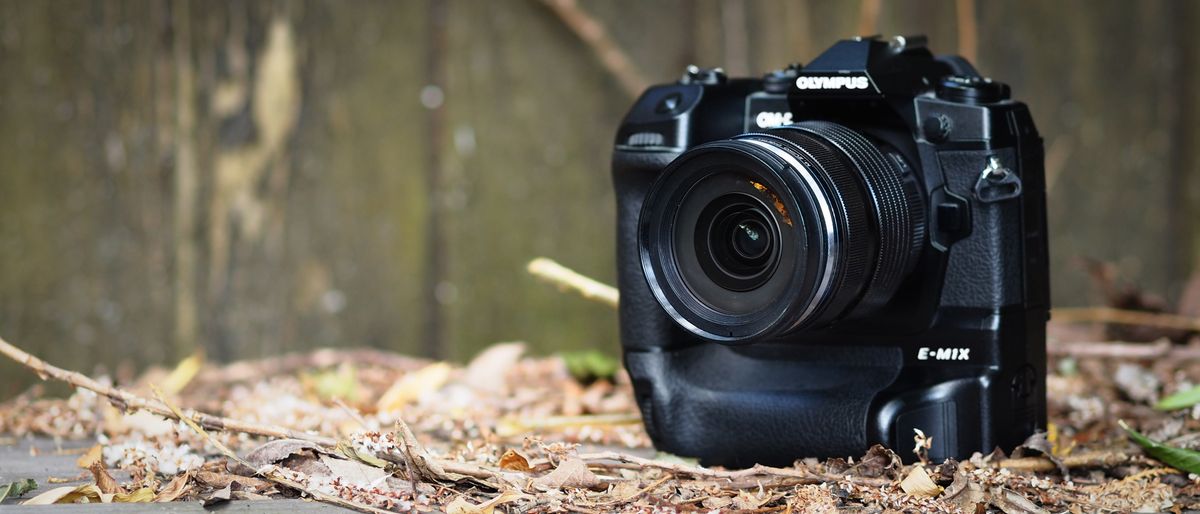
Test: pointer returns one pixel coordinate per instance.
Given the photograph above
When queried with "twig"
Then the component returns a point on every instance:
(968, 29)
(352, 412)
(567, 279)
(126, 400)
(1100, 459)
(1161, 349)
(868, 17)
(270, 472)
(1125, 317)
(606, 50)
(599, 459)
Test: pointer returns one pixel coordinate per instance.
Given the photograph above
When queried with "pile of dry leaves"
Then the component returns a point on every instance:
(524, 434)
(376, 431)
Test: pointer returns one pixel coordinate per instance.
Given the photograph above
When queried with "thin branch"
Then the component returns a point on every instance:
(126, 400)
(868, 17)
(1161, 349)
(599, 459)
(1125, 317)
(567, 279)
(968, 29)
(606, 50)
(1100, 459)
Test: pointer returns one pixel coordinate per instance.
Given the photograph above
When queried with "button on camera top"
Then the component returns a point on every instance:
(971, 90)
(779, 81)
(703, 76)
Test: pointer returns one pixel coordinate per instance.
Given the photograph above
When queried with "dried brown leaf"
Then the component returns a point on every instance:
(219, 496)
(93, 455)
(143, 495)
(177, 487)
(413, 386)
(104, 481)
(746, 500)
(965, 493)
(945, 471)
(879, 461)
(513, 460)
(1012, 502)
(717, 502)
(1039, 444)
(66, 494)
(488, 371)
(217, 480)
(571, 473)
(290, 453)
(354, 471)
(919, 483)
(461, 505)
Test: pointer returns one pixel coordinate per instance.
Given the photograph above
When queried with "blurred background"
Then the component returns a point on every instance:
(253, 178)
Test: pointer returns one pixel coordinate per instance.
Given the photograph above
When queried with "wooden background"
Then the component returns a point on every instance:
(259, 177)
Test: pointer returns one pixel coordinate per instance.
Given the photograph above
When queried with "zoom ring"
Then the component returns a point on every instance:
(897, 216)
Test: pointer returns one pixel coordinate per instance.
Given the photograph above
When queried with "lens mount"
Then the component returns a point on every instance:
(766, 233)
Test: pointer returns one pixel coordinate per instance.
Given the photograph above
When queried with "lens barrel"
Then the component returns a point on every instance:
(768, 233)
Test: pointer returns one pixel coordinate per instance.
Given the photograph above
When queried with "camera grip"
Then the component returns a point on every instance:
(766, 403)
(643, 323)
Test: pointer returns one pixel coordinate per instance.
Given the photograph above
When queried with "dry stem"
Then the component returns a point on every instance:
(567, 279)
(968, 29)
(599, 459)
(868, 17)
(1126, 317)
(1162, 349)
(606, 50)
(1100, 459)
(126, 400)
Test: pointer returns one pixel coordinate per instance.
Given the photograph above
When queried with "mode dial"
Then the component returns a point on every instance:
(971, 90)
(703, 76)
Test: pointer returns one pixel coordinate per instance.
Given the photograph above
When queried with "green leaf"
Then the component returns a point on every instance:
(1178, 458)
(590, 365)
(1180, 400)
(17, 488)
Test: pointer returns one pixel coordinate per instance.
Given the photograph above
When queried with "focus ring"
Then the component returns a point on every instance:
(855, 237)
(896, 216)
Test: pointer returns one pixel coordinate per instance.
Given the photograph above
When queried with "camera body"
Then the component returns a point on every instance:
(832, 256)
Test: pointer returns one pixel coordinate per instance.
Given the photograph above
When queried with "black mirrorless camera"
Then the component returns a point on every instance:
(832, 256)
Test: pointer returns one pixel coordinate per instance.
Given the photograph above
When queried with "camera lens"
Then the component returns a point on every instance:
(734, 239)
(751, 241)
(766, 234)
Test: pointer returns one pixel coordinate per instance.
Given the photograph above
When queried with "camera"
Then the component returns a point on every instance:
(833, 256)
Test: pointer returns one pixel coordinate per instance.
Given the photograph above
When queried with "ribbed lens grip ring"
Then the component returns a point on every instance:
(897, 212)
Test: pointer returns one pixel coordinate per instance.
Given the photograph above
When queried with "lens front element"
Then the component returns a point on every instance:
(735, 239)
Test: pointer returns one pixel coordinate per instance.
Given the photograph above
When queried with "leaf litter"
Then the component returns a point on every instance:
(444, 439)
(507, 432)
